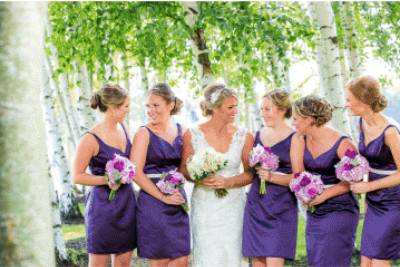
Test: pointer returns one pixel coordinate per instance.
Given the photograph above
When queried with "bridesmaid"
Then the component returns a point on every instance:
(331, 229)
(380, 144)
(110, 225)
(163, 226)
(270, 221)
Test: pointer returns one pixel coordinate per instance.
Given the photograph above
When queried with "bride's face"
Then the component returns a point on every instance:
(228, 110)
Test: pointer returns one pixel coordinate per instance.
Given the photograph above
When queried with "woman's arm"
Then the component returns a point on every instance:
(240, 180)
(138, 157)
(340, 188)
(187, 152)
(87, 148)
(392, 140)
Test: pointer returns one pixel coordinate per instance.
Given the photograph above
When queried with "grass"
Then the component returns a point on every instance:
(73, 231)
(76, 231)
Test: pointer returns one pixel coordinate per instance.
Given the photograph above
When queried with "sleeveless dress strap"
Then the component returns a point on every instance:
(126, 133)
(179, 129)
(98, 139)
(390, 126)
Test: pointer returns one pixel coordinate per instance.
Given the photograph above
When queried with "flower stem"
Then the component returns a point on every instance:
(263, 189)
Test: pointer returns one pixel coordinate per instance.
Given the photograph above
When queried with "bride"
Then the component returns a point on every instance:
(217, 222)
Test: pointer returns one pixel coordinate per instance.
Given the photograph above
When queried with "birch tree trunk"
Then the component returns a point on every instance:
(83, 92)
(25, 217)
(329, 62)
(199, 45)
(61, 250)
(57, 158)
(350, 34)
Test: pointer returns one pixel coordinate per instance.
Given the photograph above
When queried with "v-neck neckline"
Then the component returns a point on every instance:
(162, 139)
(374, 139)
(323, 153)
(230, 144)
(277, 143)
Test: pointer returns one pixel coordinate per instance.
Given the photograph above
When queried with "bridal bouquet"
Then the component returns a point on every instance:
(207, 162)
(306, 186)
(352, 167)
(119, 170)
(263, 157)
(170, 182)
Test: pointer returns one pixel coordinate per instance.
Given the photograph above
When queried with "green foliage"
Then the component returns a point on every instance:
(379, 23)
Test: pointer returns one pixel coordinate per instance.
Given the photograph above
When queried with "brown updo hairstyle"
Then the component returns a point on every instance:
(214, 96)
(315, 107)
(280, 99)
(367, 90)
(163, 90)
(108, 95)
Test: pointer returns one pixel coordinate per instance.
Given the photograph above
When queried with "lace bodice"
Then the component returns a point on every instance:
(233, 154)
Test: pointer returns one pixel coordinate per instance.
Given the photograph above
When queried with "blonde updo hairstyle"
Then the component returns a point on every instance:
(280, 99)
(163, 90)
(214, 96)
(315, 107)
(367, 90)
(109, 95)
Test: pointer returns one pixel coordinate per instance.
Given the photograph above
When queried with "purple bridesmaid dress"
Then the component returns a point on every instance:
(331, 229)
(381, 230)
(110, 225)
(163, 230)
(270, 221)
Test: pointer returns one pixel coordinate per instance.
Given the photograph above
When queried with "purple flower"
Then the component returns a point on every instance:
(305, 181)
(119, 165)
(347, 166)
(350, 153)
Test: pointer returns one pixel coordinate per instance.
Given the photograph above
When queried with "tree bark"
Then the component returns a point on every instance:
(329, 62)
(25, 218)
(57, 158)
(199, 44)
(350, 34)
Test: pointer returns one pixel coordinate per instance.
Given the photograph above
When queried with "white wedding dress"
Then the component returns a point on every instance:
(217, 222)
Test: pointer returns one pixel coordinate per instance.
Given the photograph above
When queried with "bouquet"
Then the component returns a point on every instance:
(119, 170)
(263, 157)
(207, 162)
(306, 186)
(352, 167)
(170, 182)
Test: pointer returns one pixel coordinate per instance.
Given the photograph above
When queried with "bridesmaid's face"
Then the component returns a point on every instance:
(119, 113)
(228, 110)
(271, 113)
(355, 106)
(301, 124)
(158, 110)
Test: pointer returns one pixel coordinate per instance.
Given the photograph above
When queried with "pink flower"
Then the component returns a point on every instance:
(312, 192)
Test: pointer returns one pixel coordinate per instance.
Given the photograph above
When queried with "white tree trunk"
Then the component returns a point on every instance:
(61, 250)
(83, 92)
(352, 50)
(57, 158)
(329, 61)
(199, 46)
(25, 218)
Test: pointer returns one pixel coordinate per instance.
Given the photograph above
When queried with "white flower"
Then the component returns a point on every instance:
(215, 96)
